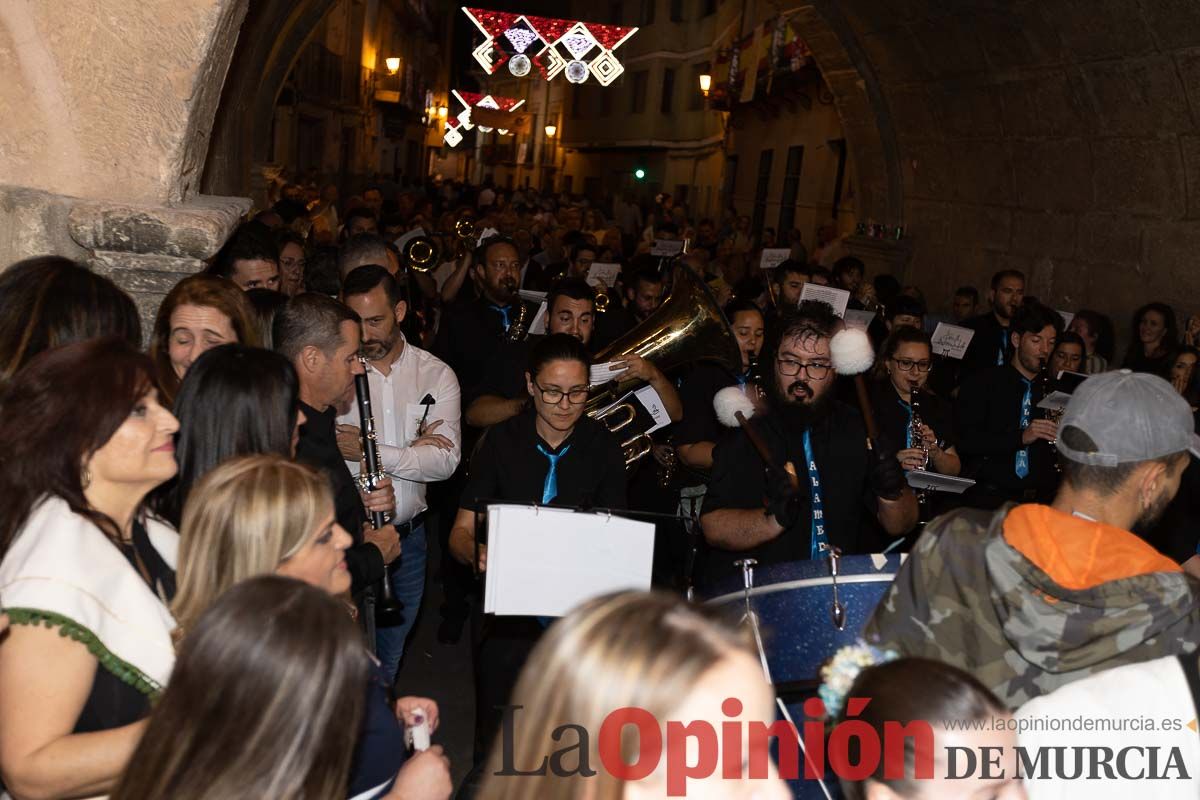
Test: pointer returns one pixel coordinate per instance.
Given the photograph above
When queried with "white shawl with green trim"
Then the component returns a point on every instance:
(63, 572)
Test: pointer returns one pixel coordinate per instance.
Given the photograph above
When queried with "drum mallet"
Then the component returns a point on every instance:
(734, 409)
(851, 352)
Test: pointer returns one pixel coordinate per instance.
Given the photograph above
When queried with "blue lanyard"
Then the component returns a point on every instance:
(1022, 463)
(820, 540)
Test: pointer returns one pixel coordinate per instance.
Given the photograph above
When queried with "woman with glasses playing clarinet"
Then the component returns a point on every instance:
(914, 423)
(551, 453)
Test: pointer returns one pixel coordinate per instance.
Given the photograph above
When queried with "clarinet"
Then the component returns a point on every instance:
(1046, 385)
(387, 611)
(918, 439)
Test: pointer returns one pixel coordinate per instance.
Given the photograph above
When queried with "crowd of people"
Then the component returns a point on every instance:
(212, 558)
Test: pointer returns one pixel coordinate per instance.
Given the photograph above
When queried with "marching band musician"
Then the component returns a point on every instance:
(823, 441)
(550, 453)
(415, 398)
(697, 434)
(472, 332)
(502, 393)
(1005, 447)
(903, 369)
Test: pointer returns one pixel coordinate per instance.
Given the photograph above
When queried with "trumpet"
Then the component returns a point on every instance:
(635, 447)
(601, 303)
(421, 254)
(464, 228)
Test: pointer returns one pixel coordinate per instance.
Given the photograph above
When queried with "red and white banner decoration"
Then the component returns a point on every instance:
(571, 47)
(469, 100)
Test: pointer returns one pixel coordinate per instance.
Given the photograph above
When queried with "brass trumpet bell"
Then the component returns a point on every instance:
(421, 254)
(464, 228)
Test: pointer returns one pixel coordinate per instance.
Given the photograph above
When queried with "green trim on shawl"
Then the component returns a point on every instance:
(70, 629)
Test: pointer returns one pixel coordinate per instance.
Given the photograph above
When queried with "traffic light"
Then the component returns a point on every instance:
(639, 174)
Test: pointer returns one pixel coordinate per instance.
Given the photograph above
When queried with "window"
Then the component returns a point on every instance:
(791, 187)
(668, 91)
(676, 10)
(637, 97)
(695, 98)
(760, 191)
(647, 13)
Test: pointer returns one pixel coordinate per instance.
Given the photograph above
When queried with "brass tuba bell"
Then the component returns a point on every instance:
(688, 326)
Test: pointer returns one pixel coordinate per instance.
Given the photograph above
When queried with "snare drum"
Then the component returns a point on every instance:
(794, 602)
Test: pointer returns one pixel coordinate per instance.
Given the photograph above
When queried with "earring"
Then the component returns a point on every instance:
(85, 478)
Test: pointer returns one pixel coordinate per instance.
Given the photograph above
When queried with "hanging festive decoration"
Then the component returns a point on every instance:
(554, 46)
(462, 121)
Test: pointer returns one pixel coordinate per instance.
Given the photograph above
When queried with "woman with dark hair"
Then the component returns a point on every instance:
(50, 301)
(924, 694)
(1155, 337)
(265, 700)
(902, 371)
(266, 302)
(234, 401)
(201, 312)
(550, 453)
(1069, 354)
(86, 574)
(292, 261)
(1096, 330)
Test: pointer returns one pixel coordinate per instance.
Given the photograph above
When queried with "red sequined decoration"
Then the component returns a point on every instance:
(550, 29)
(494, 22)
(609, 36)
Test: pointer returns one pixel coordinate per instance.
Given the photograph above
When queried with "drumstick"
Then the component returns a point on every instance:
(851, 353)
(733, 407)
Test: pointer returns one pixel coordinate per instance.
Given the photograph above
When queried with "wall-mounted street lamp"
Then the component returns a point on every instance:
(443, 111)
(550, 131)
(393, 64)
(705, 84)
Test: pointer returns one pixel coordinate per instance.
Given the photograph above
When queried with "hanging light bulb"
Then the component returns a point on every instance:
(518, 65)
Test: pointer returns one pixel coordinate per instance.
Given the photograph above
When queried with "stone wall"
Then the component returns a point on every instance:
(1060, 137)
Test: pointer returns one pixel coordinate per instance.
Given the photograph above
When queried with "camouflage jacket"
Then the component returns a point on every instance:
(965, 596)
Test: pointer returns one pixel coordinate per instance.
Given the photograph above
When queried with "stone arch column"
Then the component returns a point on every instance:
(110, 106)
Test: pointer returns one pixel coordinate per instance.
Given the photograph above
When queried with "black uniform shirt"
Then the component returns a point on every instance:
(318, 448)
(470, 336)
(988, 424)
(892, 417)
(697, 390)
(508, 466)
(991, 345)
(739, 482)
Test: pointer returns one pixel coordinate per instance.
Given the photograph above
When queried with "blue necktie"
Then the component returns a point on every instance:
(908, 442)
(503, 313)
(1003, 347)
(550, 487)
(1022, 465)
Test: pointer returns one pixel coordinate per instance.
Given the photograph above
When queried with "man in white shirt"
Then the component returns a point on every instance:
(415, 399)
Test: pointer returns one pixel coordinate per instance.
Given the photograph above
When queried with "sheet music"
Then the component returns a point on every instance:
(935, 482)
(838, 298)
(951, 340)
(772, 257)
(546, 561)
(603, 373)
(858, 319)
(652, 402)
(600, 271)
(666, 248)
(538, 326)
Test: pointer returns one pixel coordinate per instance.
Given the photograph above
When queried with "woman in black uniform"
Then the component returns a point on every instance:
(548, 454)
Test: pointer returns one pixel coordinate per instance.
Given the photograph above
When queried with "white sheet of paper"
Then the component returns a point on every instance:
(532, 296)
(538, 326)
(951, 340)
(651, 401)
(486, 233)
(1067, 317)
(546, 561)
(1055, 401)
(409, 236)
(443, 273)
(600, 271)
(666, 247)
(838, 298)
(933, 481)
(772, 257)
(858, 319)
(603, 373)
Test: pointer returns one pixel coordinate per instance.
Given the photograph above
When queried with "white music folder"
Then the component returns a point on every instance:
(545, 561)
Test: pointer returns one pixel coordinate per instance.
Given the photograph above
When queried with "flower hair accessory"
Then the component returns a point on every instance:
(840, 672)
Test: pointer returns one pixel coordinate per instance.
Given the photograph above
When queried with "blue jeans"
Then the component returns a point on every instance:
(408, 586)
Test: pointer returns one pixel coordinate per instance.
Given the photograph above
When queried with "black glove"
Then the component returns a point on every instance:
(785, 502)
(886, 477)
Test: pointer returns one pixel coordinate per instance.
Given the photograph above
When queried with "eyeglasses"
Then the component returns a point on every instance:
(554, 396)
(816, 370)
(908, 365)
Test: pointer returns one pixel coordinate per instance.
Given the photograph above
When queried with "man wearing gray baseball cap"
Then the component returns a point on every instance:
(1031, 597)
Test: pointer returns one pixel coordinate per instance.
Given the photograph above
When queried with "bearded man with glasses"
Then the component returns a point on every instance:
(761, 511)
